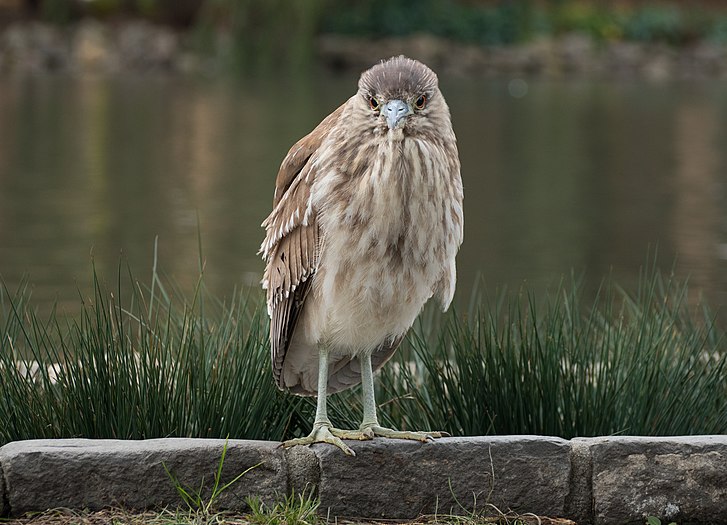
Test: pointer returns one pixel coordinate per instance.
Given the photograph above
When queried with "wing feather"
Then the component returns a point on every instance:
(291, 246)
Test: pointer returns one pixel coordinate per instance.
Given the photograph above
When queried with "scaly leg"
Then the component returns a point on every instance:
(370, 425)
(323, 431)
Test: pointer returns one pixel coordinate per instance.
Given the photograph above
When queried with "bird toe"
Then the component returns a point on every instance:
(403, 434)
(325, 434)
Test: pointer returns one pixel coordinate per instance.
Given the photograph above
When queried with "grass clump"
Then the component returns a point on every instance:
(642, 364)
(145, 361)
(194, 499)
(138, 363)
(294, 508)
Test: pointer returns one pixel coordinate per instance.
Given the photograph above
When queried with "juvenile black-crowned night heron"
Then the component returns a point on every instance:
(366, 223)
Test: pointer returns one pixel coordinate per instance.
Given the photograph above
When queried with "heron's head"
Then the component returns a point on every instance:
(401, 94)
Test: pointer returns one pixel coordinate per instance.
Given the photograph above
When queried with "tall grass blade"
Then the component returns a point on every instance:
(147, 361)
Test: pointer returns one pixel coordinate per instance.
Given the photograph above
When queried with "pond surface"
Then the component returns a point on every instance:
(559, 176)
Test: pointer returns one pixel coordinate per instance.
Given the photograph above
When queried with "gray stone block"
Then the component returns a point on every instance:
(404, 479)
(596, 481)
(682, 479)
(579, 503)
(79, 473)
(304, 472)
(3, 494)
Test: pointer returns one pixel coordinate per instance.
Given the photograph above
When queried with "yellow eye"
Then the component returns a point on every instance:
(421, 102)
(373, 103)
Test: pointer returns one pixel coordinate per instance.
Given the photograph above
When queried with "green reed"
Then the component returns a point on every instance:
(147, 361)
(643, 364)
(139, 363)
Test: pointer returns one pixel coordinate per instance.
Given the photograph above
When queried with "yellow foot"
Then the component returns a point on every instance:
(331, 435)
(377, 431)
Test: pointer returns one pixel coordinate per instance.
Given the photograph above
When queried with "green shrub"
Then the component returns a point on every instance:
(499, 24)
(656, 24)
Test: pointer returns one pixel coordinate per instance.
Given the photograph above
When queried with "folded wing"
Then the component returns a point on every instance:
(291, 247)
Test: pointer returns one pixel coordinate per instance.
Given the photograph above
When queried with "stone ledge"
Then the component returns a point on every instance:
(80, 473)
(449, 476)
(599, 481)
(3, 494)
(676, 479)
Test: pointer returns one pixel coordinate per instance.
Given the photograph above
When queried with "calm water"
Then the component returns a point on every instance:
(559, 175)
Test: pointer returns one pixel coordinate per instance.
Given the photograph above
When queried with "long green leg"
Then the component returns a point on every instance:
(322, 398)
(369, 399)
(370, 424)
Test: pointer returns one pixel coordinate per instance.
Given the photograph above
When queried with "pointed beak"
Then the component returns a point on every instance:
(395, 111)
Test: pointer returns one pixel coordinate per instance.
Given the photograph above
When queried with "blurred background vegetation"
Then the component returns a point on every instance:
(275, 32)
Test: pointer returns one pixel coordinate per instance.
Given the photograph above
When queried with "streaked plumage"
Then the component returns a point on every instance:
(366, 222)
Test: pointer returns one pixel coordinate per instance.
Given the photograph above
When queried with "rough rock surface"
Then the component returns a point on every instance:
(304, 470)
(79, 473)
(579, 503)
(594, 481)
(3, 504)
(449, 475)
(675, 479)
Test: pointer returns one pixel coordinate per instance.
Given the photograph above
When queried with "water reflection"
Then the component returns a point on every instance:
(565, 175)
(696, 216)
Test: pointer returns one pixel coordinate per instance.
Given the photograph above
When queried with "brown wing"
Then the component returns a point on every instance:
(299, 154)
(291, 245)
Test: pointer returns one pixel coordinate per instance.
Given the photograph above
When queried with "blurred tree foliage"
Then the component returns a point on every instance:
(269, 33)
(490, 23)
(260, 33)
